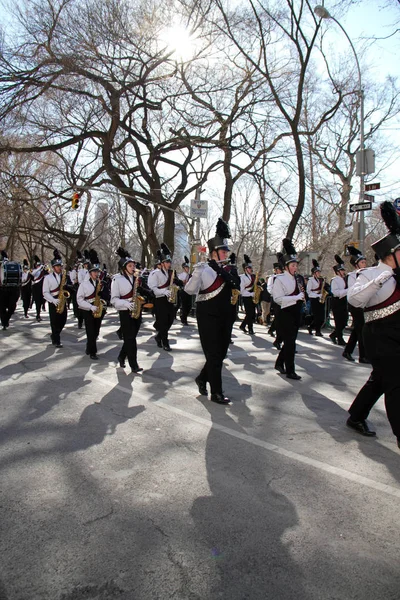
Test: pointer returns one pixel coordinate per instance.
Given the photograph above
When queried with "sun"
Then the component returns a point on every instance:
(180, 41)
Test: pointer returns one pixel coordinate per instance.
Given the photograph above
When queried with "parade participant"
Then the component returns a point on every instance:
(83, 273)
(164, 284)
(53, 292)
(315, 287)
(247, 280)
(26, 287)
(231, 267)
(288, 292)
(38, 275)
(359, 262)
(73, 278)
(90, 301)
(212, 282)
(185, 299)
(339, 301)
(278, 270)
(125, 291)
(265, 301)
(377, 291)
(10, 283)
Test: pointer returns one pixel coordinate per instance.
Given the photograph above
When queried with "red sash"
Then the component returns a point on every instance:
(395, 297)
(92, 295)
(52, 292)
(218, 281)
(251, 284)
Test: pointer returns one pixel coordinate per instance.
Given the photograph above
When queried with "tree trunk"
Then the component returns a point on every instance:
(302, 187)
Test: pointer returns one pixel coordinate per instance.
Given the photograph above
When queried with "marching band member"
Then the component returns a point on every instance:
(247, 280)
(275, 308)
(10, 281)
(186, 299)
(339, 301)
(86, 297)
(377, 291)
(83, 273)
(51, 293)
(288, 292)
(161, 283)
(73, 278)
(26, 287)
(122, 298)
(213, 284)
(315, 287)
(38, 275)
(359, 262)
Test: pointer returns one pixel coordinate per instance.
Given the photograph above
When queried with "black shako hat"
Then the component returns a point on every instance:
(232, 258)
(86, 260)
(246, 262)
(289, 253)
(186, 262)
(4, 256)
(339, 264)
(355, 255)
(36, 261)
(57, 260)
(391, 242)
(220, 240)
(125, 258)
(164, 254)
(25, 264)
(315, 267)
(94, 264)
(278, 265)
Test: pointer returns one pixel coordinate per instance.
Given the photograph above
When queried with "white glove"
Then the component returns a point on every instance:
(131, 306)
(300, 296)
(167, 293)
(56, 302)
(252, 294)
(383, 277)
(93, 309)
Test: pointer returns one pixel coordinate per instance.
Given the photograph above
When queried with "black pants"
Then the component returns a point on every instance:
(8, 303)
(37, 294)
(214, 319)
(26, 294)
(165, 315)
(92, 327)
(250, 311)
(340, 314)
(74, 302)
(287, 329)
(382, 345)
(186, 305)
(318, 315)
(57, 322)
(356, 334)
(129, 328)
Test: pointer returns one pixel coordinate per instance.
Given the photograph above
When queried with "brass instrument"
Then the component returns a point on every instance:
(98, 302)
(235, 296)
(257, 289)
(136, 300)
(173, 288)
(324, 292)
(301, 288)
(62, 294)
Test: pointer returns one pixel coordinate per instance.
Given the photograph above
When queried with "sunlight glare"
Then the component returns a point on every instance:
(178, 40)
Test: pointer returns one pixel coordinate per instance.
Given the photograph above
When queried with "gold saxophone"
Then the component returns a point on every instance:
(324, 293)
(62, 294)
(235, 296)
(98, 302)
(136, 300)
(173, 288)
(257, 289)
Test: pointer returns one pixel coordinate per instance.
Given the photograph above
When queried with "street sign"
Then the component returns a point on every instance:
(369, 198)
(198, 208)
(369, 187)
(360, 206)
(396, 204)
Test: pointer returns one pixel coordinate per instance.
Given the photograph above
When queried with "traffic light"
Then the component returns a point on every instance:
(75, 201)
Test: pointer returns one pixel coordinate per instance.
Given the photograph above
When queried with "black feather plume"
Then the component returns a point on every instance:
(165, 249)
(86, 254)
(25, 262)
(36, 259)
(232, 258)
(186, 259)
(288, 247)
(339, 260)
(104, 267)
(391, 218)
(280, 258)
(94, 259)
(122, 253)
(354, 251)
(159, 254)
(4, 254)
(79, 254)
(315, 263)
(56, 254)
(223, 230)
(246, 258)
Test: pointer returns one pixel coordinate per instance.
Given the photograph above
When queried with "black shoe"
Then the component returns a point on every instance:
(243, 328)
(348, 356)
(158, 340)
(137, 370)
(58, 345)
(277, 345)
(119, 334)
(360, 427)
(184, 323)
(94, 357)
(167, 347)
(219, 399)
(341, 342)
(122, 364)
(202, 386)
(333, 338)
(251, 332)
(293, 376)
(319, 334)
(309, 330)
(80, 326)
(281, 369)
(364, 361)
(270, 332)
(26, 316)
(38, 320)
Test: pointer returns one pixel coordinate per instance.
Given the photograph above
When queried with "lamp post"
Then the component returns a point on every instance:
(323, 13)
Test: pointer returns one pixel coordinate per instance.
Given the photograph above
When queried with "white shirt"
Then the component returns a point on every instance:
(202, 278)
(82, 275)
(36, 274)
(51, 282)
(284, 286)
(365, 292)
(246, 285)
(73, 275)
(86, 289)
(157, 278)
(270, 283)
(184, 276)
(312, 287)
(338, 287)
(25, 277)
(121, 286)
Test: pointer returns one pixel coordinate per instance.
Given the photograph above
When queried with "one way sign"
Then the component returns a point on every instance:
(360, 206)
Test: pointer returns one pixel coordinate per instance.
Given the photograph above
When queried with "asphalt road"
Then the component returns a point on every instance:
(133, 487)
